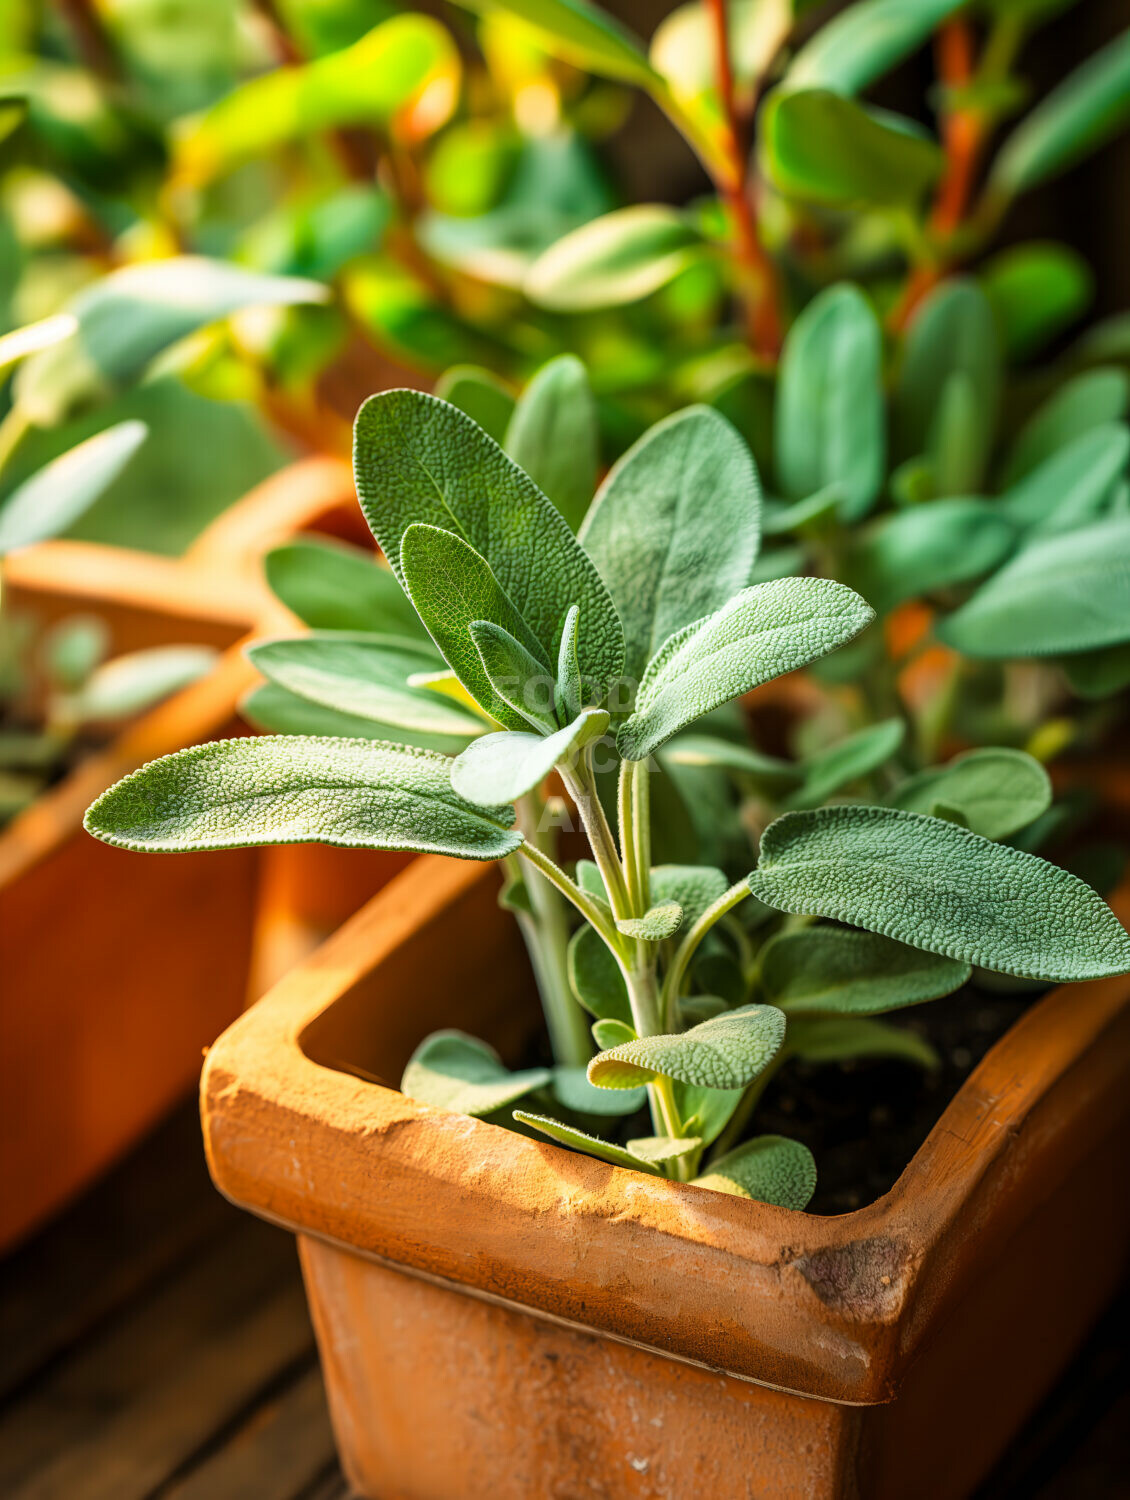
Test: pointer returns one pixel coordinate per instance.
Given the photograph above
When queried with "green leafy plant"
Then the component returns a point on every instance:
(592, 661)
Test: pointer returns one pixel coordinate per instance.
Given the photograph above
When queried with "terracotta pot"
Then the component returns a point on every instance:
(501, 1318)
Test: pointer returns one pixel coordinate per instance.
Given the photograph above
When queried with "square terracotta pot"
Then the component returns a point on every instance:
(501, 1319)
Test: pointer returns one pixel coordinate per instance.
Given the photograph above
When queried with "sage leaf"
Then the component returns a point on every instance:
(925, 548)
(863, 42)
(674, 529)
(582, 34)
(1099, 674)
(936, 886)
(572, 1089)
(133, 682)
(54, 497)
(502, 767)
(579, 1140)
(706, 1112)
(657, 923)
(762, 633)
(1036, 291)
(288, 789)
(725, 1053)
(610, 1033)
(1088, 401)
(1071, 486)
(568, 691)
(821, 148)
(1059, 595)
(553, 436)
(481, 395)
(418, 459)
(767, 773)
(453, 589)
(615, 260)
(830, 425)
(692, 887)
(769, 1169)
(331, 586)
(997, 791)
(275, 710)
(833, 1039)
(658, 1149)
(1085, 109)
(517, 677)
(595, 977)
(849, 760)
(835, 970)
(457, 1072)
(366, 677)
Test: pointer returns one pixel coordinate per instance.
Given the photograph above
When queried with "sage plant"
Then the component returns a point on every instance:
(541, 654)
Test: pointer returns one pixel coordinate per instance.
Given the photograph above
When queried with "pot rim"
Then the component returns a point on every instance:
(832, 1308)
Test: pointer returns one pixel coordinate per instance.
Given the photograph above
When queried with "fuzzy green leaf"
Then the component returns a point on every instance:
(725, 1053)
(569, 690)
(579, 1140)
(766, 772)
(595, 977)
(770, 1169)
(830, 426)
(459, 1073)
(997, 791)
(1085, 109)
(1072, 485)
(762, 633)
(822, 148)
(502, 767)
(1060, 594)
(515, 675)
(553, 436)
(835, 970)
(927, 547)
(936, 886)
(863, 42)
(1088, 401)
(615, 260)
(330, 586)
(287, 789)
(833, 1039)
(607, 1034)
(846, 761)
(658, 1149)
(54, 497)
(674, 528)
(693, 887)
(420, 460)
(364, 676)
(572, 1089)
(657, 923)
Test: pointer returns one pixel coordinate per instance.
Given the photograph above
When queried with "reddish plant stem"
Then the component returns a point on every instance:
(757, 270)
(963, 137)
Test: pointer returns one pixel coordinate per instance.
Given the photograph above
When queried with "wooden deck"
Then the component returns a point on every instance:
(154, 1345)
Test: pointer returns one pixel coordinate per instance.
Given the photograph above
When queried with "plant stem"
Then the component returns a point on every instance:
(756, 272)
(635, 833)
(580, 785)
(689, 945)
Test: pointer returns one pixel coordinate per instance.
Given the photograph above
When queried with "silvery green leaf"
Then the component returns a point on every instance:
(762, 633)
(1089, 400)
(833, 1039)
(830, 425)
(657, 923)
(501, 767)
(610, 1033)
(674, 528)
(846, 761)
(131, 683)
(54, 497)
(595, 977)
(927, 547)
(1061, 594)
(770, 1169)
(835, 970)
(767, 773)
(481, 395)
(331, 586)
(569, 692)
(693, 887)
(365, 677)
(453, 588)
(288, 789)
(997, 791)
(725, 1053)
(420, 460)
(1072, 485)
(936, 886)
(572, 1089)
(515, 674)
(553, 436)
(273, 710)
(453, 1071)
(659, 1149)
(864, 41)
(579, 1140)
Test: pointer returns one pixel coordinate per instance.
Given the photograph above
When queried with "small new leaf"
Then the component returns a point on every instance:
(580, 1140)
(502, 767)
(725, 1053)
(770, 1169)
(656, 924)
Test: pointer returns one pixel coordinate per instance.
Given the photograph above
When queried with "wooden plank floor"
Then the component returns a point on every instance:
(154, 1345)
